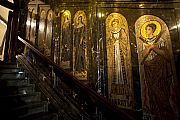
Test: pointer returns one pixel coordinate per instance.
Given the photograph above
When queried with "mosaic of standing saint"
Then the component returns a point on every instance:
(66, 41)
(118, 60)
(41, 32)
(80, 45)
(156, 69)
(28, 23)
(33, 27)
(48, 40)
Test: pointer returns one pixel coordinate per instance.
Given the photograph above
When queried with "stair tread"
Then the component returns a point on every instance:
(22, 86)
(31, 105)
(8, 66)
(3, 62)
(20, 95)
(9, 72)
(14, 104)
(27, 105)
(25, 110)
(17, 72)
(15, 82)
(27, 85)
(40, 116)
(18, 87)
(14, 79)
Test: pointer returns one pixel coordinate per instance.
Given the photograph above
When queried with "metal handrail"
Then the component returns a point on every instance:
(70, 79)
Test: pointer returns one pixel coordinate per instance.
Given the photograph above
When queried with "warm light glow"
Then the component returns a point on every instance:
(100, 15)
(11, 1)
(19, 39)
(141, 6)
(175, 27)
(41, 27)
(178, 25)
(2, 22)
(33, 24)
(28, 23)
(66, 13)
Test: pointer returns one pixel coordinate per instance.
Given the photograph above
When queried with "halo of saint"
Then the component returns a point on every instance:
(156, 32)
(77, 15)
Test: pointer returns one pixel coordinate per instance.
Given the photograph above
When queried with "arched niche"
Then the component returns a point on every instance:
(80, 37)
(119, 61)
(156, 65)
(65, 40)
(48, 33)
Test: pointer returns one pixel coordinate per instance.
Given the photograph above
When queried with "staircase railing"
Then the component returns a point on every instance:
(70, 97)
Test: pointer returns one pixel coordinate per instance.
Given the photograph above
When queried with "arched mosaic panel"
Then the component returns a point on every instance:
(28, 23)
(41, 32)
(119, 60)
(156, 66)
(80, 45)
(33, 27)
(66, 40)
(48, 39)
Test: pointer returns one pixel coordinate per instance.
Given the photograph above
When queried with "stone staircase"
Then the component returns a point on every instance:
(19, 98)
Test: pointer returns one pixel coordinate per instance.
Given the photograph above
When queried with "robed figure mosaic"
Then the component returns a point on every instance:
(118, 60)
(66, 40)
(80, 45)
(41, 32)
(28, 23)
(48, 39)
(33, 27)
(156, 69)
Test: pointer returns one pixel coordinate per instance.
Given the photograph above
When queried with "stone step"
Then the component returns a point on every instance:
(25, 89)
(15, 82)
(24, 110)
(29, 88)
(9, 70)
(14, 75)
(33, 97)
(8, 65)
(18, 99)
(31, 108)
(24, 98)
(41, 116)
